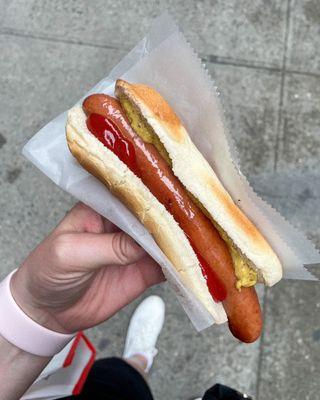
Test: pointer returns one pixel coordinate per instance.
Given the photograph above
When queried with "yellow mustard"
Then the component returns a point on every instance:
(142, 128)
(246, 276)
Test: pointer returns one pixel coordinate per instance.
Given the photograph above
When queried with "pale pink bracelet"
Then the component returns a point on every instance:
(20, 330)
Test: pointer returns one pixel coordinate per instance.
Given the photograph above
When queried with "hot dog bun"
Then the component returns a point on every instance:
(108, 168)
(200, 180)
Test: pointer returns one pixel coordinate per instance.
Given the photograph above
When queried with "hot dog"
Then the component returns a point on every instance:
(112, 123)
(242, 307)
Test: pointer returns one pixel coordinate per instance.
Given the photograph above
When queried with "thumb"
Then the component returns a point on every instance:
(95, 250)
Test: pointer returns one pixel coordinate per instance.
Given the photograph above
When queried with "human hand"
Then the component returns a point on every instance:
(82, 273)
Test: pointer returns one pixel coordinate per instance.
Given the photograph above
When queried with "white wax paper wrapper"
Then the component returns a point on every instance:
(164, 60)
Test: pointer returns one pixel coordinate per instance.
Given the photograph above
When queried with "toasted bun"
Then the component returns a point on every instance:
(110, 170)
(197, 176)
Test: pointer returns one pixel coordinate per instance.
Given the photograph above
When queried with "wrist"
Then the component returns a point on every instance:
(18, 369)
(21, 290)
(24, 332)
(11, 353)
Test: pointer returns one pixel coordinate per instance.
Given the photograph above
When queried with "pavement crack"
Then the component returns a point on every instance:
(282, 83)
(28, 35)
(220, 60)
(215, 59)
(3, 140)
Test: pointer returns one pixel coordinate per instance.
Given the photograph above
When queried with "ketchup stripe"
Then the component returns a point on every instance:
(107, 132)
(109, 135)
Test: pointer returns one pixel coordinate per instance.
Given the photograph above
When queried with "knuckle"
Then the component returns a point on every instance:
(120, 247)
(61, 248)
(78, 208)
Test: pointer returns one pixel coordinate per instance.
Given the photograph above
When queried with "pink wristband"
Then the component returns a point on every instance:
(20, 330)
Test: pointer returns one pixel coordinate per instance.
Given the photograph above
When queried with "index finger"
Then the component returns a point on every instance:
(81, 218)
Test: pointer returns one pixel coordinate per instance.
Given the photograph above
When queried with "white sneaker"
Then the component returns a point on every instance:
(144, 328)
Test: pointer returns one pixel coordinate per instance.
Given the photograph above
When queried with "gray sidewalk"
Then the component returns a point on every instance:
(265, 58)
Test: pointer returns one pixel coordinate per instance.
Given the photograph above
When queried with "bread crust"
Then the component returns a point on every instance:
(121, 181)
(160, 107)
(200, 180)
